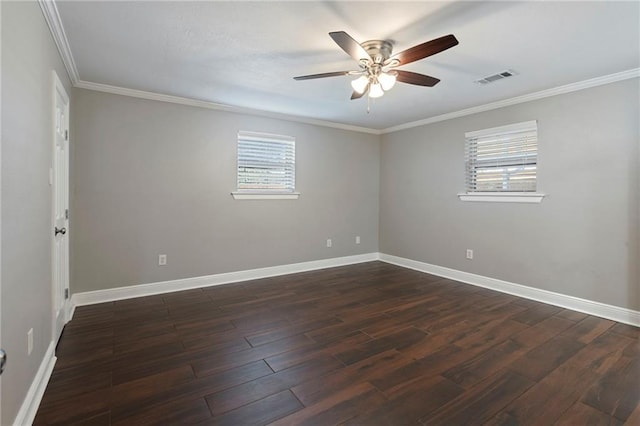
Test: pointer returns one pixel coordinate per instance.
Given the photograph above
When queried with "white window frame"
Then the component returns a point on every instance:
(262, 193)
(505, 196)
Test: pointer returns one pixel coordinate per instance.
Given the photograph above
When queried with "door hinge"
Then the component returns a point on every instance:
(66, 214)
(66, 135)
(66, 293)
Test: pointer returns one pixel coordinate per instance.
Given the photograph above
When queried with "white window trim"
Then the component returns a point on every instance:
(502, 197)
(509, 128)
(265, 196)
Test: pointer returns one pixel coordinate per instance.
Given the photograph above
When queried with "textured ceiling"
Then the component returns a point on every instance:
(245, 54)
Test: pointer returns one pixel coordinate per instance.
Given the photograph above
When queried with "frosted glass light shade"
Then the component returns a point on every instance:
(387, 80)
(360, 84)
(376, 91)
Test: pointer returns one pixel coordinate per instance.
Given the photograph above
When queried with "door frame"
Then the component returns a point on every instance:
(58, 88)
(0, 201)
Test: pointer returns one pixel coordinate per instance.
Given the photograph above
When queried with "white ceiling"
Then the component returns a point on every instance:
(245, 54)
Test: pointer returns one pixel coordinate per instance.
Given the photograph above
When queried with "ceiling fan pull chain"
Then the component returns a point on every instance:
(368, 104)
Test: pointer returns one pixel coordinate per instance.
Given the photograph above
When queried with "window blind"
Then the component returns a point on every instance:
(502, 159)
(266, 163)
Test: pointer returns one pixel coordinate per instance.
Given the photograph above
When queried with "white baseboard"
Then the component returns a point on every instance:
(615, 313)
(120, 293)
(29, 409)
(623, 315)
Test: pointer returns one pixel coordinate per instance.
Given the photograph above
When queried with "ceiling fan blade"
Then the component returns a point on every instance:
(323, 75)
(415, 78)
(349, 45)
(356, 95)
(424, 50)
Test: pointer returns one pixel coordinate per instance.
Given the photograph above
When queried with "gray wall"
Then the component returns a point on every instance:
(28, 56)
(152, 177)
(582, 240)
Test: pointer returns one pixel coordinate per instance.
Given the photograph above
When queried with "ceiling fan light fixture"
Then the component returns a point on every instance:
(376, 65)
(387, 80)
(376, 90)
(360, 84)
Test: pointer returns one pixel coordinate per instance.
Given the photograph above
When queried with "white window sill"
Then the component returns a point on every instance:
(265, 195)
(498, 197)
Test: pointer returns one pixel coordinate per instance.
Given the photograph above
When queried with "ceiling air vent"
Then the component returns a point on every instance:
(496, 77)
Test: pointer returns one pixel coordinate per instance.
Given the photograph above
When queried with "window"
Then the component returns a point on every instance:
(266, 166)
(501, 163)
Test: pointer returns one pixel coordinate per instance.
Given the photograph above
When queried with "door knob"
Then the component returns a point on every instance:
(3, 360)
(61, 231)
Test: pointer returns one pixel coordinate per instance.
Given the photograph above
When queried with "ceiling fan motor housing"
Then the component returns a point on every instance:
(379, 50)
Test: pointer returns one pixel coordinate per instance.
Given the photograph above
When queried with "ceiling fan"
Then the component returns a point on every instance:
(377, 68)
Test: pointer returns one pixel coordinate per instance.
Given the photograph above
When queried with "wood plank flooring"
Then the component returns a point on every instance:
(368, 344)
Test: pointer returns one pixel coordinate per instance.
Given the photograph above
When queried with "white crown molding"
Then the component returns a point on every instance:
(54, 22)
(586, 84)
(220, 107)
(615, 313)
(52, 17)
(120, 293)
(31, 402)
(568, 88)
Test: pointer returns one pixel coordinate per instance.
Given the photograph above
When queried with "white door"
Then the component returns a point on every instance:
(60, 196)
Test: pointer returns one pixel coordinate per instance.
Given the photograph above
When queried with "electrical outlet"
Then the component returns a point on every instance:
(329, 242)
(469, 254)
(29, 341)
(162, 259)
(358, 239)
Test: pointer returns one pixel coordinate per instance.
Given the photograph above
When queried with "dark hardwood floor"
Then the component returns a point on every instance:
(368, 344)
